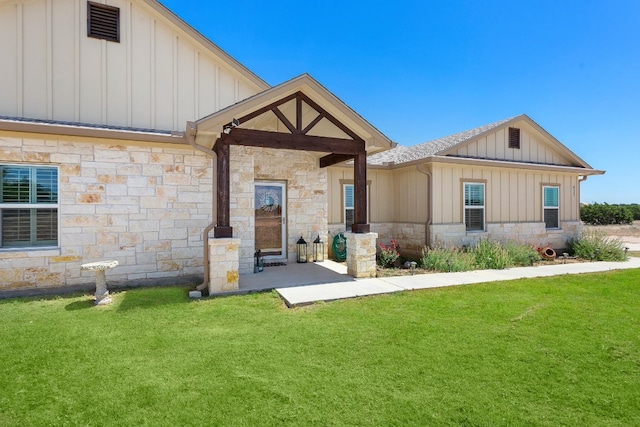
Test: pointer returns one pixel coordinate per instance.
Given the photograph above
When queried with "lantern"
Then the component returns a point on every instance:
(258, 262)
(301, 249)
(318, 250)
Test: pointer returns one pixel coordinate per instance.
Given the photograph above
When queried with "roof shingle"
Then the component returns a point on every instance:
(403, 154)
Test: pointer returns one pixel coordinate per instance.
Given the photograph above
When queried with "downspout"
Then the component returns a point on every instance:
(191, 138)
(430, 201)
(581, 179)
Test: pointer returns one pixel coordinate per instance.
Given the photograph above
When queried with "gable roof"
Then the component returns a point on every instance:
(210, 127)
(405, 154)
(445, 146)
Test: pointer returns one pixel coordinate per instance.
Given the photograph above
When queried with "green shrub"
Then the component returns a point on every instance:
(605, 214)
(491, 255)
(594, 244)
(447, 259)
(521, 255)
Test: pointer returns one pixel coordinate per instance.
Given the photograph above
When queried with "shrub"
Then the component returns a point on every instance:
(521, 255)
(388, 254)
(491, 255)
(594, 244)
(442, 259)
(605, 214)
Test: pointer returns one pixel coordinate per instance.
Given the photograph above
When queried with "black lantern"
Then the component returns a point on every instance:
(258, 262)
(318, 250)
(301, 248)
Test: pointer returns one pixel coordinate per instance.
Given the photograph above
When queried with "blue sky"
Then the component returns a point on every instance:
(420, 70)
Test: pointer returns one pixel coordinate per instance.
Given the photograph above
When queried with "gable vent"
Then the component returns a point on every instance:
(103, 22)
(514, 138)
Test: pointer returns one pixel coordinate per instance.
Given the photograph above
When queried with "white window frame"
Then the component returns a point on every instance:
(34, 206)
(546, 207)
(474, 207)
(351, 208)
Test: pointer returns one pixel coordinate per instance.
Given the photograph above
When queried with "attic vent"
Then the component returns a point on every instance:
(103, 22)
(514, 138)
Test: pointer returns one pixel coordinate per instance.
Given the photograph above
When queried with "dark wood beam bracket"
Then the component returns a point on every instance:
(333, 159)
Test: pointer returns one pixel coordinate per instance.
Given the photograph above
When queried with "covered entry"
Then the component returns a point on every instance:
(288, 134)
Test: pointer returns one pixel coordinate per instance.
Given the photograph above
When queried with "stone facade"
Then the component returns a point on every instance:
(223, 265)
(361, 254)
(531, 233)
(144, 206)
(306, 190)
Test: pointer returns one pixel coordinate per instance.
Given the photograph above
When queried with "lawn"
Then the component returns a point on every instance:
(549, 352)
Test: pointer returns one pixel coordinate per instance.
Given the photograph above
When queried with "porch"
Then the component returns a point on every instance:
(294, 274)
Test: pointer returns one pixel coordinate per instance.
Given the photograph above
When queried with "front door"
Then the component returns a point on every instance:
(271, 220)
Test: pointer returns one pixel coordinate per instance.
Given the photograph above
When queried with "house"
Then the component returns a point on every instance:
(509, 180)
(127, 135)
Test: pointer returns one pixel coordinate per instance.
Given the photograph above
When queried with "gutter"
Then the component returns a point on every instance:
(191, 138)
(430, 200)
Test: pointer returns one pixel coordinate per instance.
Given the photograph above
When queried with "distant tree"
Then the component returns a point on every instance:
(606, 214)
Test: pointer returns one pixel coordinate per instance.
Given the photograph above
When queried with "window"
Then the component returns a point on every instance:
(514, 138)
(103, 22)
(551, 207)
(349, 204)
(28, 206)
(474, 206)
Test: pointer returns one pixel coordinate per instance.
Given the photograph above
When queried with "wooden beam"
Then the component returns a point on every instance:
(223, 228)
(298, 114)
(313, 123)
(268, 108)
(332, 119)
(333, 159)
(360, 194)
(279, 114)
(279, 140)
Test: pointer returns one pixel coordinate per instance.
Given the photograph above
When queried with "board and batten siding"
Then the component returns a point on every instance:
(380, 190)
(511, 195)
(157, 77)
(534, 147)
(411, 195)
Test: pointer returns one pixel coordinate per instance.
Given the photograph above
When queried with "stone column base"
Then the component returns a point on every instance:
(224, 262)
(361, 254)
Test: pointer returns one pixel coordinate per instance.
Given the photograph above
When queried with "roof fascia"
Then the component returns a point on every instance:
(86, 132)
(375, 140)
(510, 165)
(208, 44)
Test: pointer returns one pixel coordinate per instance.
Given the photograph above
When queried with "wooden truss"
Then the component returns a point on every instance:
(298, 138)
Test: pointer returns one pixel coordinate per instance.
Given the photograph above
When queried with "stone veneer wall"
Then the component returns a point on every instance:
(145, 207)
(306, 196)
(531, 233)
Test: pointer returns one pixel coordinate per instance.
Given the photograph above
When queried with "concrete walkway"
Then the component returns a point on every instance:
(304, 295)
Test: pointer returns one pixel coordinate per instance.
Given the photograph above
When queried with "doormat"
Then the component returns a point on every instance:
(274, 264)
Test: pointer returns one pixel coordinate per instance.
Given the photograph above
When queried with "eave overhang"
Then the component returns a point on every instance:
(41, 127)
(210, 128)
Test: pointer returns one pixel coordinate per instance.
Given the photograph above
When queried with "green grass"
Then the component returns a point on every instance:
(549, 352)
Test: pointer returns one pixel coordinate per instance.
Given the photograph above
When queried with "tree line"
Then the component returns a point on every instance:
(605, 214)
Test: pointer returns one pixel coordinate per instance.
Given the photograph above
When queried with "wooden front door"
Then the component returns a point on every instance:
(271, 219)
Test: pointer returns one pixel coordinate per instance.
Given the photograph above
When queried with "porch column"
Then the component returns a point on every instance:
(360, 224)
(224, 265)
(361, 254)
(223, 228)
